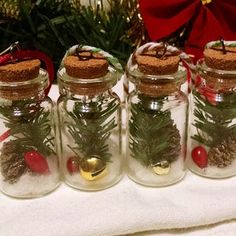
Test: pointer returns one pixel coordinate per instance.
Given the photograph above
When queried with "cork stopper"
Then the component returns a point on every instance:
(148, 63)
(158, 62)
(17, 80)
(20, 71)
(91, 68)
(215, 58)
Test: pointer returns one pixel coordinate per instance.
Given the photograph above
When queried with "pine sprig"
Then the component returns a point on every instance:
(29, 126)
(90, 130)
(153, 134)
(214, 121)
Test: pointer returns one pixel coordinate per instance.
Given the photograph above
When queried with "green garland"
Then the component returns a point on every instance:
(53, 26)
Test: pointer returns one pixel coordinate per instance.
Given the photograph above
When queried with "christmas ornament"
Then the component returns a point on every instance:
(151, 126)
(72, 165)
(36, 162)
(161, 168)
(92, 168)
(199, 156)
(16, 65)
(213, 111)
(154, 135)
(90, 123)
(89, 128)
(27, 117)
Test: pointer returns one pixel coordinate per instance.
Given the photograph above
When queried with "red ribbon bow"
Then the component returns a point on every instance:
(207, 22)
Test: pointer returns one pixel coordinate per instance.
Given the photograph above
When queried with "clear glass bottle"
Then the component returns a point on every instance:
(212, 132)
(29, 165)
(156, 121)
(90, 130)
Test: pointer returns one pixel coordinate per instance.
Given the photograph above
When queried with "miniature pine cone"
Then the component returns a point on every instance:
(9, 8)
(223, 154)
(12, 164)
(173, 150)
(174, 145)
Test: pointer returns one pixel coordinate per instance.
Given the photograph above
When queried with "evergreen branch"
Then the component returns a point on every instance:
(91, 130)
(152, 133)
(29, 126)
(214, 121)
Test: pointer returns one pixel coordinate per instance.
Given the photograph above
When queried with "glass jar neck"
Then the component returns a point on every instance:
(158, 89)
(77, 87)
(87, 98)
(157, 85)
(218, 81)
(25, 90)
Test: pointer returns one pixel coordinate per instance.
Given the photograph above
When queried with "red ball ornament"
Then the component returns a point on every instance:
(199, 156)
(36, 162)
(72, 165)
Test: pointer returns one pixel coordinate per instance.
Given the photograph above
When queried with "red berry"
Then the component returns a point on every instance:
(36, 162)
(72, 165)
(199, 156)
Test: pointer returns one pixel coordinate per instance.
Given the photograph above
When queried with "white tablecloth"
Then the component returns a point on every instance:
(125, 208)
(194, 206)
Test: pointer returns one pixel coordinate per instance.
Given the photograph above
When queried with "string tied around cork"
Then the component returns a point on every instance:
(222, 47)
(93, 53)
(162, 51)
(79, 52)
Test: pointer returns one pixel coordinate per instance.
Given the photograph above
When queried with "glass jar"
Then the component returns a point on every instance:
(156, 127)
(28, 161)
(90, 127)
(212, 132)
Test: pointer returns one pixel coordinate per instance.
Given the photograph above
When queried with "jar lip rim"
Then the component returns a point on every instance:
(41, 78)
(167, 77)
(111, 76)
(202, 67)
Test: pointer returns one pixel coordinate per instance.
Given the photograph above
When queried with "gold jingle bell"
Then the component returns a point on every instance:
(161, 168)
(92, 168)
